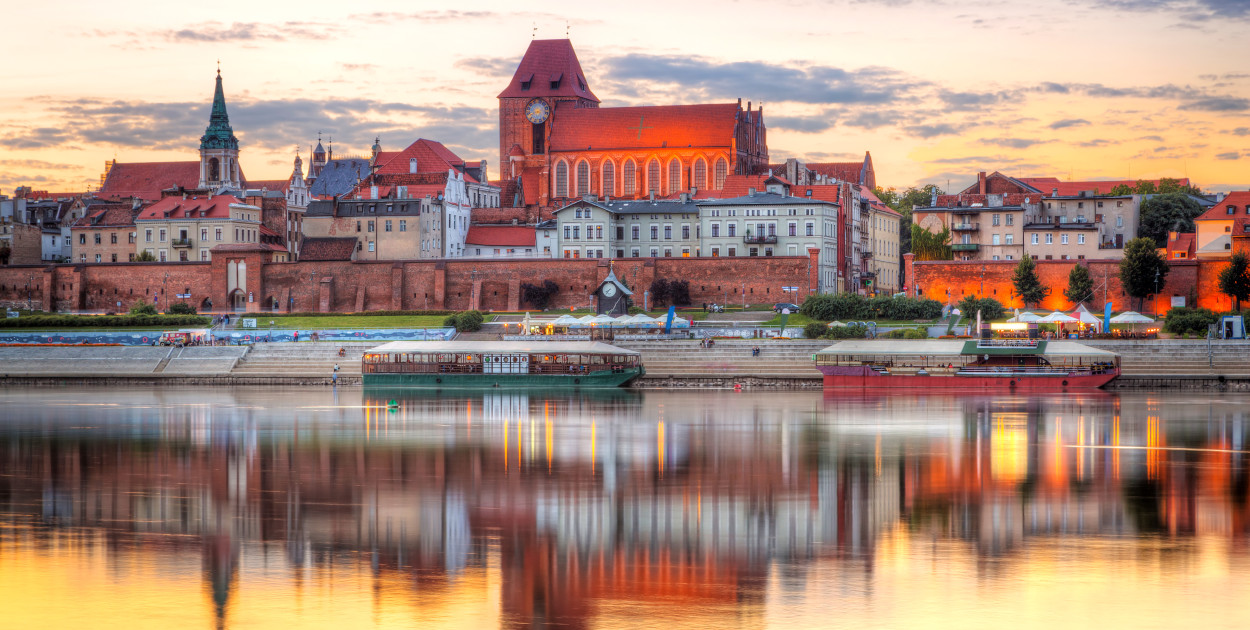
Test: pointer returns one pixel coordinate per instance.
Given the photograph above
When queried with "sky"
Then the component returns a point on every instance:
(937, 90)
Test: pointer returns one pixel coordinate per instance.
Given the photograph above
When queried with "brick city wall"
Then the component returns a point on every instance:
(384, 285)
(951, 281)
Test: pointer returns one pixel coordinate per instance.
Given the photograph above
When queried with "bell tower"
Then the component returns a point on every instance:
(219, 149)
(549, 74)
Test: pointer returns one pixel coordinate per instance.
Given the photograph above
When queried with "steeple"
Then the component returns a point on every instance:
(219, 135)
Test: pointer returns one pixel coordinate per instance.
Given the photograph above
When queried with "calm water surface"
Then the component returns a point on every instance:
(310, 508)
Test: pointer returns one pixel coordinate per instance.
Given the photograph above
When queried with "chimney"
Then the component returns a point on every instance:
(513, 220)
(1054, 192)
(981, 183)
(685, 197)
(373, 192)
(651, 196)
(412, 165)
(1172, 236)
(750, 192)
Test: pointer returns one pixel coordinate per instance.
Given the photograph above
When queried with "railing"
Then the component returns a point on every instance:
(1009, 343)
(759, 240)
(964, 247)
(1038, 370)
(182, 242)
(966, 227)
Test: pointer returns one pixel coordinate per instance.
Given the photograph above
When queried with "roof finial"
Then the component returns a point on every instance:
(218, 66)
(566, 29)
(534, 31)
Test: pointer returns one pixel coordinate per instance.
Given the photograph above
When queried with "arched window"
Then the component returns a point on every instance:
(653, 176)
(700, 174)
(609, 179)
(722, 167)
(674, 176)
(583, 178)
(562, 179)
(629, 179)
(214, 170)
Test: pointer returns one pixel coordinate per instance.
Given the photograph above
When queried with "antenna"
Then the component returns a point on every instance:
(534, 33)
(566, 29)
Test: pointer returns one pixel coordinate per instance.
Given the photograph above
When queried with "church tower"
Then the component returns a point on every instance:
(548, 74)
(318, 160)
(219, 149)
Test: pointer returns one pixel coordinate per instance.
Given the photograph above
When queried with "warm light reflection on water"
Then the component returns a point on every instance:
(258, 508)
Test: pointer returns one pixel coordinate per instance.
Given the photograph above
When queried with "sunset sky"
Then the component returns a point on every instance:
(936, 90)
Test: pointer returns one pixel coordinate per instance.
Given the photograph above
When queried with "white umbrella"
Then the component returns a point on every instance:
(1131, 317)
(1057, 318)
(1027, 316)
(525, 324)
(602, 319)
(565, 320)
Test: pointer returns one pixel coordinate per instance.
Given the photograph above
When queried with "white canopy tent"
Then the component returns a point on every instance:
(1083, 315)
(1026, 317)
(1131, 317)
(1058, 318)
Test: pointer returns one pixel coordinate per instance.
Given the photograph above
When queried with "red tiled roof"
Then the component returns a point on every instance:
(216, 207)
(1184, 242)
(669, 126)
(842, 171)
(546, 60)
(146, 180)
(1219, 212)
(1072, 189)
(431, 156)
(324, 249)
(968, 199)
(529, 184)
(100, 215)
(268, 231)
(821, 192)
(281, 185)
(515, 150)
(507, 192)
(500, 235)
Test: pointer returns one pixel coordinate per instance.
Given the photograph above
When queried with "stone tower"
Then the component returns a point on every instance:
(219, 149)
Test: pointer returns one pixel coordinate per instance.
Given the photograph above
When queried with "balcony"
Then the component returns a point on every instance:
(964, 247)
(966, 210)
(866, 254)
(760, 240)
(966, 227)
(181, 243)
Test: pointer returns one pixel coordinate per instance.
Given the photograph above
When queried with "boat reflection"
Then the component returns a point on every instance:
(586, 503)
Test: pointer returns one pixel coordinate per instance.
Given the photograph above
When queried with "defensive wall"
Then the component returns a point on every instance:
(950, 281)
(356, 286)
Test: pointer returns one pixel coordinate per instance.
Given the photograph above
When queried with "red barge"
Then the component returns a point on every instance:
(972, 365)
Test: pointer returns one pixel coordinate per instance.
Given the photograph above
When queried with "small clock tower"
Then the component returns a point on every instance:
(612, 296)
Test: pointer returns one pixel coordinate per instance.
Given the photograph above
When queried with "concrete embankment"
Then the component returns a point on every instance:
(785, 364)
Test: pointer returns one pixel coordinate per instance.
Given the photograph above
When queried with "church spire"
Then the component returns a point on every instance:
(219, 135)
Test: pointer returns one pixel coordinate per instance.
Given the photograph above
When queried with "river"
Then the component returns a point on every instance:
(321, 508)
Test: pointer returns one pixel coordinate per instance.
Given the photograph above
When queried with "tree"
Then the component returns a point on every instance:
(1028, 285)
(181, 308)
(539, 295)
(1172, 212)
(1142, 270)
(929, 246)
(145, 257)
(679, 292)
(903, 203)
(1235, 279)
(141, 307)
(659, 291)
(1080, 286)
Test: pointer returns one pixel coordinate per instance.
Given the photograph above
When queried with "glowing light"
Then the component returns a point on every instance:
(660, 445)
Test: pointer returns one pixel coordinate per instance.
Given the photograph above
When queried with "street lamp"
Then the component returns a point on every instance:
(29, 282)
(472, 288)
(1156, 295)
(165, 290)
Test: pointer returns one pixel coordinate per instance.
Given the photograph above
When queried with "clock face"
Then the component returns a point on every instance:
(537, 111)
(609, 290)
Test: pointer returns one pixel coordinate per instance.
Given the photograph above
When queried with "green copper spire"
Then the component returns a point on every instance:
(219, 135)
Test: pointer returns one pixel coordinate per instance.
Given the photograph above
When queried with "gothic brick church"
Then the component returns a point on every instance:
(556, 138)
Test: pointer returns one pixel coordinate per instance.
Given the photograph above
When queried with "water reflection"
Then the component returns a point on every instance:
(321, 507)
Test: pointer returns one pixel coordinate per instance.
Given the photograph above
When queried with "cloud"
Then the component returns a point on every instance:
(1192, 10)
(1241, 131)
(1232, 155)
(359, 67)
(389, 17)
(1068, 122)
(802, 124)
(1152, 138)
(932, 131)
(1098, 142)
(35, 138)
(37, 165)
(489, 66)
(1219, 104)
(1014, 143)
(872, 119)
(972, 101)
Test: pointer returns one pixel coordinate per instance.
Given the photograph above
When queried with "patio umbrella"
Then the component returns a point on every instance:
(1058, 318)
(565, 320)
(525, 324)
(1026, 317)
(602, 319)
(1131, 317)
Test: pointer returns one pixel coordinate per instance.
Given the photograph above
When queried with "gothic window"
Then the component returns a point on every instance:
(653, 176)
(609, 179)
(562, 179)
(629, 180)
(700, 174)
(719, 174)
(583, 178)
(674, 176)
(214, 170)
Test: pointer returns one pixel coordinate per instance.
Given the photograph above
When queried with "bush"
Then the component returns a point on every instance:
(539, 295)
(815, 330)
(142, 308)
(852, 331)
(906, 333)
(990, 308)
(1190, 320)
(181, 308)
(363, 313)
(468, 321)
(105, 321)
(852, 306)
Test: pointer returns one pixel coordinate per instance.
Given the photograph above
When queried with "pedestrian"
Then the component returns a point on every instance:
(334, 377)
(297, 335)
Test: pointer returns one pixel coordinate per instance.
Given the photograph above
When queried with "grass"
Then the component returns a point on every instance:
(318, 322)
(694, 315)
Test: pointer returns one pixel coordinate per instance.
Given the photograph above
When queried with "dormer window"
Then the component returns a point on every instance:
(526, 81)
(1231, 209)
(555, 81)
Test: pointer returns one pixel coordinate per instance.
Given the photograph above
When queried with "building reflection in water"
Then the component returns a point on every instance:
(578, 507)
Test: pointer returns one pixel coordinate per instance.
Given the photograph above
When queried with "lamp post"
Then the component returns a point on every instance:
(1156, 295)
(29, 282)
(744, 296)
(165, 290)
(982, 293)
(472, 287)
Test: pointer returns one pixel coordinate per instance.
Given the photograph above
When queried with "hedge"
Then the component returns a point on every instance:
(267, 314)
(829, 307)
(468, 321)
(989, 307)
(105, 321)
(1183, 320)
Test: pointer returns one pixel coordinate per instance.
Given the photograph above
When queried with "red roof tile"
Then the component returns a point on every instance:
(146, 180)
(431, 156)
(500, 235)
(101, 215)
(1184, 242)
(545, 60)
(669, 126)
(530, 178)
(324, 249)
(842, 171)
(1072, 189)
(217, 207)
(1239, 199)
(281, 185)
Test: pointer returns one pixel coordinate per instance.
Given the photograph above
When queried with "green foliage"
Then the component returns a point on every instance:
(852, 331)
(903, 202)
(1173, 212)
(1142, 269)
(664, 291)
(815, 330)
(142, 308)
(362, 314)
(831, 306)
(181, 308)
(1235, 279)
(145, 256)
(467, 321)
(905, 333)
(929, 246)
(539, 295)
(1190, 320)
(106, 321)
(1028, 285)
(1080, 286)
(989, 307)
